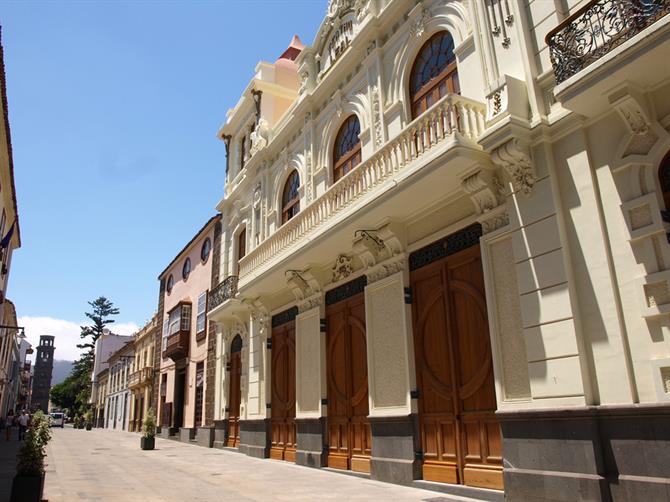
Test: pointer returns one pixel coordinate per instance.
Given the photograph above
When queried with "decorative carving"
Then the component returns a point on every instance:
(377, 116)
(310, 303)
(226, 141)
(257, 196)
(514, 158)
(260, 136)
(389, 267)
(342, 268)
(483, 188)
(257, 95)
(447, 246)
(418, 26)
(638, 121)
(302, 284)
(494, 220)
(373, 247)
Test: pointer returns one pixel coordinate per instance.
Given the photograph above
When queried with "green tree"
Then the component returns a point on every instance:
(74, 392)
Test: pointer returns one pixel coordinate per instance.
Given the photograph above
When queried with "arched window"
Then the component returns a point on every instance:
(434, 73)
(664, 178)
(290, 201)
(236, 345)
(347, 151)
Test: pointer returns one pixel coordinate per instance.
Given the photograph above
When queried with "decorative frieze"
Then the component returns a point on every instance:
(385, 269)
(463, 239)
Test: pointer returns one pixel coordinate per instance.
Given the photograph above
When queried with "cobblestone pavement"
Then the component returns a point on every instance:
(103, 465)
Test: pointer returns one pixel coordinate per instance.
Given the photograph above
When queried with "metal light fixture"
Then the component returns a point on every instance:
(370, 234)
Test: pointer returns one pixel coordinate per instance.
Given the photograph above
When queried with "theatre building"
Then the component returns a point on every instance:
(444, 256)
(181, 350)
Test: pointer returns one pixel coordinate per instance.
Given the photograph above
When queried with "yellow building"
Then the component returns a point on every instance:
(141, 378)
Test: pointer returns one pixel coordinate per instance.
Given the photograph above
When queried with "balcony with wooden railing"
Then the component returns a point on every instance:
(452, 122)
(140, 377)
(598, 28)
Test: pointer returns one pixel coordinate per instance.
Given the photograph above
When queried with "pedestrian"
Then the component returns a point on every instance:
(9, 424)
(24, 420)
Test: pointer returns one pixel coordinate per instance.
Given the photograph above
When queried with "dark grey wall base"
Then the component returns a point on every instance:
(205, 436)
(255, 438)
(186, 434)
(220, 433)
(311, 449)
(609, 453)
(394, 443)
(165, 432)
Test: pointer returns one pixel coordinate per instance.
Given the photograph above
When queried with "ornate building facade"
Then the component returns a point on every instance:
(443, 253)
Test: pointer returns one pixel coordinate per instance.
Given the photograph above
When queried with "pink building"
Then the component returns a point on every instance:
(182, 307)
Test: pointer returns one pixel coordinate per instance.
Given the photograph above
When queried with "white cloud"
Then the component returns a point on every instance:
(66, 333)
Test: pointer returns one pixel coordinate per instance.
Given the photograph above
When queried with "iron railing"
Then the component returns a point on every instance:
(596, 29)
(225, 290)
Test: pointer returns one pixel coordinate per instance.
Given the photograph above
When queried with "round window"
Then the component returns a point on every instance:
(206, 248)
(170, 283)
(186, 270)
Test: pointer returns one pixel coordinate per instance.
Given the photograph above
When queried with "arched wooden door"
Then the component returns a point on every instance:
(459, 433)
(282, 421)
(349, 436)
(664, 178)
(234, 392)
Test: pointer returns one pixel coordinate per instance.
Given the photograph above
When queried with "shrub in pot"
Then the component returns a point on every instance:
(88, 420)
(75, 422)
(148, 438)
(28, 484)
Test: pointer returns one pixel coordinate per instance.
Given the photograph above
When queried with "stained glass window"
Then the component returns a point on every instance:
(434, 73)
(291, 197)
(347, 151)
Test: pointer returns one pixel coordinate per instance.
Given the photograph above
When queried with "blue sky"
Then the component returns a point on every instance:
(114, 107)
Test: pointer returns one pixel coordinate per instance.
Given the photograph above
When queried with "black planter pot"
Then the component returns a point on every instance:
(27, 488)
(147, 443)
(89, 427)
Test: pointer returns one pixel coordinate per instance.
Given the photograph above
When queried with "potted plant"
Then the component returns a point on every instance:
(88, 419)
(75, 422)
(28, 484)
(148, 438)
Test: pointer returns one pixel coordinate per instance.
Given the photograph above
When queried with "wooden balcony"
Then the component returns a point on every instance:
(177, 345)
(598, 28)
(140, 377)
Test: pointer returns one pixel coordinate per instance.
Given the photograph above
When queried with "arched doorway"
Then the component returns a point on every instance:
(664, 179)
(234, 392)
(282, 421)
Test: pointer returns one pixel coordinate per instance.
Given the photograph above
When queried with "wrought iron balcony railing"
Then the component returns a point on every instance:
(596, 29)
(225, 290)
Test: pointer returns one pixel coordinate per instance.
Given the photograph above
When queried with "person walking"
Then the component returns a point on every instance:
(9, 424)
(24, 420)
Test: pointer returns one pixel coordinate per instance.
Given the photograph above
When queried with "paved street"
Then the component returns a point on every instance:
(103, 465)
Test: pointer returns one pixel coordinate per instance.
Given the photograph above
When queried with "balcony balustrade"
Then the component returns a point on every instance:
(140, 377)
(596, 29)
(225, 290)
(452, 121)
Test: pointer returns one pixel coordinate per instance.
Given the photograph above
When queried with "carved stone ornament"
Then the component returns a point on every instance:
(377, 116)
(302, 284)
(386, 268)
(487, 194)
(260, 136)
(310, 303)
(342, 268)
(638, 122)
(514, 158)
(418, 26)
(257, 196)
(376, 246)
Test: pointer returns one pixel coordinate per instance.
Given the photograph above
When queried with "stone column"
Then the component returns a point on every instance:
(310, 387)
(391, 374)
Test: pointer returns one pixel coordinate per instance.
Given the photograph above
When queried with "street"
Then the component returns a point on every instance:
(105, 465)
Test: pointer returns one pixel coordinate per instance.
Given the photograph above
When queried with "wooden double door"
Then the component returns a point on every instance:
(349, 436)
(460, 436)
(282, 421)
(234, 392)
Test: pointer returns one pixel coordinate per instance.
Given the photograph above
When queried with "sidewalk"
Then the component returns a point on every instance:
(8, 450)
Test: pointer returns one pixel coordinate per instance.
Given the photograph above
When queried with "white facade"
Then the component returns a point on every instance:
(562, 183)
